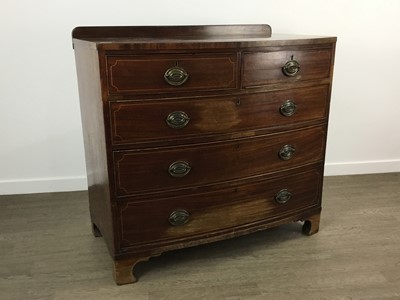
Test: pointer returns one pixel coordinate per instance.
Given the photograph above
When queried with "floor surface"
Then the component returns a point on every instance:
(47, 251)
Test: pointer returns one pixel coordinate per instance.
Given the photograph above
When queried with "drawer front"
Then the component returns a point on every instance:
(261, 68)
(171, 73)
(135, 122)
(210, 213)
(160, 169)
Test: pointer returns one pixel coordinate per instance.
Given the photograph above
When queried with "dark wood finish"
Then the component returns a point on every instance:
(311, 225)
(145, 74)
(174, 32)
(260, 68)
(239, 181)
(147, 170)
(135, 122)
(93, 124)
(123, 268)
(213, 212)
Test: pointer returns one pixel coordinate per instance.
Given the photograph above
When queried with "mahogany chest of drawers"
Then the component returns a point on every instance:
(195, 134)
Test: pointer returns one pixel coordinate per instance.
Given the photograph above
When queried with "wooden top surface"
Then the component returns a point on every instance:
(169, 37)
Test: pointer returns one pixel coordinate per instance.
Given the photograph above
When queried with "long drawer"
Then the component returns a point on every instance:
(146, 121)
(209, 213)
(171, 73)
(262, 68)
(160, 169)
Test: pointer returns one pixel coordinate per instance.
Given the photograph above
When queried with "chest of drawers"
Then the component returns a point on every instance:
(195, 134)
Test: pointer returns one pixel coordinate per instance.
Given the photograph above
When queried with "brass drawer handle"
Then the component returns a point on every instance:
(288, 108)
(287, 152)
(178, 217)
(283, 196)
(291, 68)
(179, 169)
(176, 76)
(177, 119)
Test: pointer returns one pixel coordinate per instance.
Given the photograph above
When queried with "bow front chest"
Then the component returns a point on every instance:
(195, 134)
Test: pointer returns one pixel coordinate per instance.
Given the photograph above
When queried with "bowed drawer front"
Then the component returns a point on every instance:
(183, 167)
(195, 134)
(184, 119)
(206, 213)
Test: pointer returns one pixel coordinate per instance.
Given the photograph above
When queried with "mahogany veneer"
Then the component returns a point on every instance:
(195, 134)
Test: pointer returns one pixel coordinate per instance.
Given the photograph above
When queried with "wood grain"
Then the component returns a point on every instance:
(147, 170)
(261, 68)
(135, 122)
(145, 74)
(217, 212)
(179, 32)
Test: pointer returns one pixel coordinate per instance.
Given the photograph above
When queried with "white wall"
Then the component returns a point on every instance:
(41, 140)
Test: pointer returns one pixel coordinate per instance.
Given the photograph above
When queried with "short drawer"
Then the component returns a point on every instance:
(262, 68)
(212, 213)
(185, 167)
(147, 121)
(171, 73)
